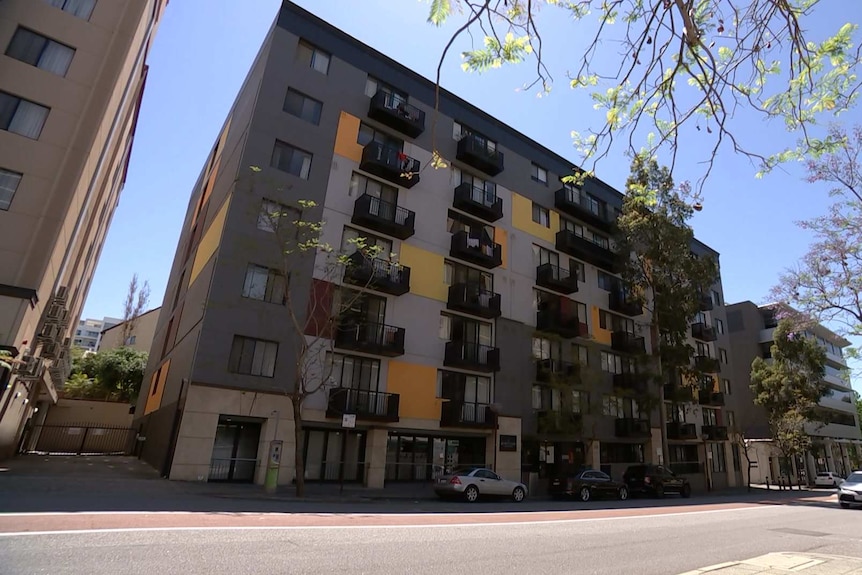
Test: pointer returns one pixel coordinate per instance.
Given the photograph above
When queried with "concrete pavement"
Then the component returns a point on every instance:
(787, 563)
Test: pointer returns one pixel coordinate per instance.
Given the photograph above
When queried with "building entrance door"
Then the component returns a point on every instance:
(234, 457)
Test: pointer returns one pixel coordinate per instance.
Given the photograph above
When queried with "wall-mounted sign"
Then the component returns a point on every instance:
(508, 443)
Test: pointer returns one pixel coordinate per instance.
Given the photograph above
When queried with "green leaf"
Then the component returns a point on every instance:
(440, 11)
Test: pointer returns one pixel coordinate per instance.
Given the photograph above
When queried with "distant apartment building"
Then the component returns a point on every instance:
(505, 281)
(139, 337)
(837, 439)
(88, 335)
(72, 75)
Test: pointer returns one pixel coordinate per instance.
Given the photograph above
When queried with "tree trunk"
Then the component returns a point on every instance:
(299, 461)
(749, 476)
(662, 409)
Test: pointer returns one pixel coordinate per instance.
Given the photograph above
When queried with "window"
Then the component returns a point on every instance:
(716, 298)
(613, 322)
(722, 355)
(731, 419)
(545, 348)
(302, 106)
(368, 134)
(577, 269)
(613, 363)
(273, 215)
(580, 401)
(455, 273)
(719, 326)
(719, 464)
(700, 317)
(313, 57)
(539, 173)
(541, 215)
(39, 51)
(354, 372)
(373, 85)
(710, 416)
(131, 340)
(8, 186)
(726, 385)
(580, 354)
(490, 188)
(465, 388)
(613, 405)
(263, 284)
(607, 281)
(21, 117)
(459, 131)
(458, 328)
(621, 452)
(291, 160)
(543, 256)
(703, 349)
(374, 246)
(79, 8)
(360, 185)
(250, 356)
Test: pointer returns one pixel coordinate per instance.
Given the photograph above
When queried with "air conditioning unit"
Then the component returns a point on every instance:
(49, 332)
(50, 350)
(31, 367)
(61, 295)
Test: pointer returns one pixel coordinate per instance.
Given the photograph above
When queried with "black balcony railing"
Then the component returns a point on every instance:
(473, 299)
(377, 274)
(635, 382)
(564, 324)
(583, 249)
(478, 201)
(707, 364)
(384, 217)
(714, 432)
(467, 414)
(632, 427)
(373, 338)
(479, 153)
(680, 431)
(622, 302)
(627, 342)
(704, 302)
(703, 332)
(390, 163)
(369, 405)
(556, 278)
(472, 356)
(554, 370)
(709, 397)
(576, 203)
(475, 250)
(395, 112)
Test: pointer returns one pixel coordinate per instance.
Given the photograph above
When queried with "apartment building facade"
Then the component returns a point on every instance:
(72, 75)
(836, 440)
(88, 335)
(139, 337)
(501, 283)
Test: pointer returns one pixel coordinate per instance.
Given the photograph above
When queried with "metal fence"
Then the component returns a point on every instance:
(79, 440)
(233, 469)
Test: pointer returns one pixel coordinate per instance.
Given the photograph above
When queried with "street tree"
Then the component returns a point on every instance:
(137, 298)
(664, 72)
(789, 386)
(659, 270)
(826, 283)
(114, 374)
(745, 446)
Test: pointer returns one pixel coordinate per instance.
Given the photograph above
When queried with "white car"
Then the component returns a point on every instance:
(828, 479)
(850, 492)
(473, 482)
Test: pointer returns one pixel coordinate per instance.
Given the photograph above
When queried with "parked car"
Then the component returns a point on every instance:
(850, 492)
(655, 480)
(828, 479)
(474, 482)
(588, 484)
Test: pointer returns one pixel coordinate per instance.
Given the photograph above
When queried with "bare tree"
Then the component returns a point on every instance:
(745, 445)
(664, 71)
(137, 299)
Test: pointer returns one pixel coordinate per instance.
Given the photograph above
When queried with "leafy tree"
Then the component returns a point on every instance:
(661, 271)
(827, 281)
(114, 374)
(857, 399)
(789, 386)
(667, 70)
(137, 298)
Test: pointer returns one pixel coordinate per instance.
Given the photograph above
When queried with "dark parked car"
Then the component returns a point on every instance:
(588, 484)
(655, 480)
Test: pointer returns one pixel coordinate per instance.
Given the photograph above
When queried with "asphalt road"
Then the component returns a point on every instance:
(662, 544)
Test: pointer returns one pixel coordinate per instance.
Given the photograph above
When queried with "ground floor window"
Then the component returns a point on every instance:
(622, 453)
(683, 459)
(332, 455)
(719, 463)
(425, 458)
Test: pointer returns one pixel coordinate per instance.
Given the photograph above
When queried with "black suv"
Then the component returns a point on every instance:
(655, 480)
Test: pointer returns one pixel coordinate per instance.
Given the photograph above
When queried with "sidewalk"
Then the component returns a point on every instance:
(784, 563)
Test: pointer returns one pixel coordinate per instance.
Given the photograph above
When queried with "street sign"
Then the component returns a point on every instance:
(348, 420)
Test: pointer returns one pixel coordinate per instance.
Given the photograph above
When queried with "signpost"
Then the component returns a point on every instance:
(348, 422)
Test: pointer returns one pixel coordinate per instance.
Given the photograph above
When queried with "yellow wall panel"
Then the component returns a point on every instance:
(345, 138)
(522, 219)
(417, 386)
(426, 272)
(599, 334)
(210, 242)
(157, 388)
(501, 238)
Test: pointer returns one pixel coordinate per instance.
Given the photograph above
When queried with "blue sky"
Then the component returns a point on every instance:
(201, 55)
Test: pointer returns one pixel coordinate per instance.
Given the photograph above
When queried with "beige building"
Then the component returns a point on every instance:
(140, 336)
(72, 75)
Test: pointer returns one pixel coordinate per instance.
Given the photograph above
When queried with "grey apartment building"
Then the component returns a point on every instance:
(503, 282)
(836, 439)
(72, 75)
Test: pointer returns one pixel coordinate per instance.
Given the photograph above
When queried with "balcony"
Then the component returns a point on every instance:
(377, 274)
(577, 204)
(704, 302)
(706, 364)
(390, 164)
(714, 432)
(560, 421)
(622, 302)
(472, 356)
(587, 250)
(631, 381)
(395, 112)
(373, 338)
(480, 252)
(681, 431)
(564, 324)
(366, 405)
(478, 201)
(709, 397)
(554, 370)
(632, 428)
(471, 298)
(703, 332)
(475, 151)
(627, 342)
(678, 393)
(384, 217)
(465, 414)
(556, 278)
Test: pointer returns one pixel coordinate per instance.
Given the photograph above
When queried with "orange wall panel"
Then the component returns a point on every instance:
(157, 388)
(345, 139)
(417, 386)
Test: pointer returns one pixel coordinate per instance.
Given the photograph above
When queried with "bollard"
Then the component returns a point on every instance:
(767, 484)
